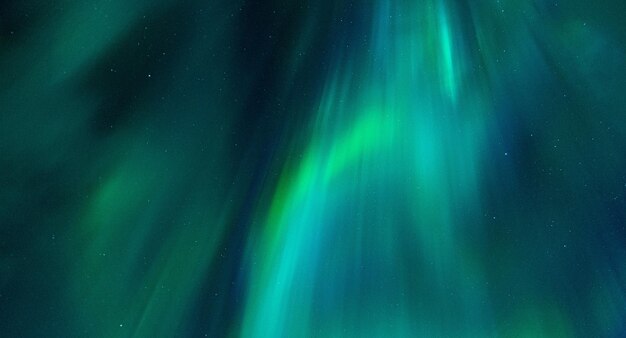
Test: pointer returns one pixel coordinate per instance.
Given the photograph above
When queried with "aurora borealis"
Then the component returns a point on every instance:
(384, 168)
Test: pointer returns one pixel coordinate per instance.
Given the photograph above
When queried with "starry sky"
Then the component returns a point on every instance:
(330, 168)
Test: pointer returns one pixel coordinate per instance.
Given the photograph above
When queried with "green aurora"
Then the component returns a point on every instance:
(384, 168)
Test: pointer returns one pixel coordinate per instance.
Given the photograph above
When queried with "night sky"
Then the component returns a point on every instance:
(331, 168)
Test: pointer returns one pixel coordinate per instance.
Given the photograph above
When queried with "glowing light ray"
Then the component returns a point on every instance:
(401, 123)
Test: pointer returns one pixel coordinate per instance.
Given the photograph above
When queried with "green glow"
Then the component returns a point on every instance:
(403, 164)
(390, 168)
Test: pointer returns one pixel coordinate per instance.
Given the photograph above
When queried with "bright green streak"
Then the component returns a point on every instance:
(392, 168)
(365, 234)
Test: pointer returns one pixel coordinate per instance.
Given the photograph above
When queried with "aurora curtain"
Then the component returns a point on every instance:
(384, 168)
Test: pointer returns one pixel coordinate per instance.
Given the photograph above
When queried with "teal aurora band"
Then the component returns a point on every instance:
(332, 168)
